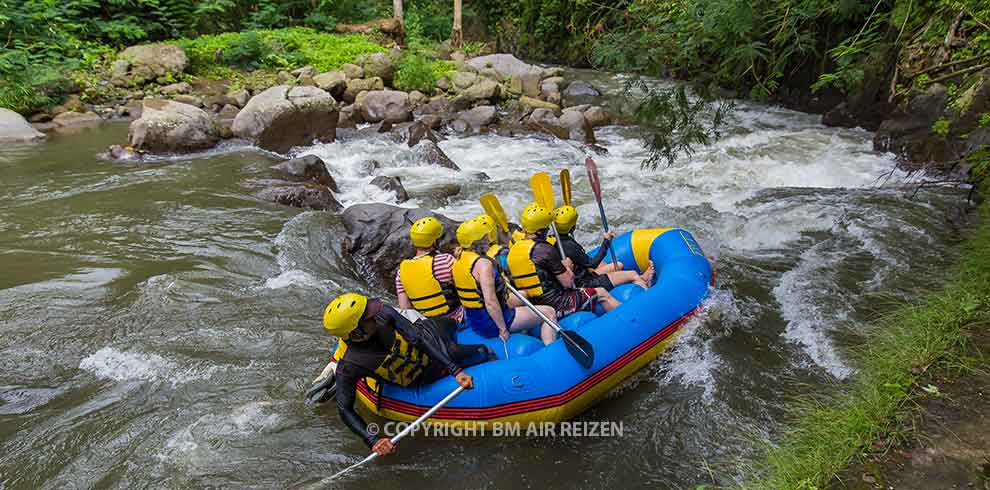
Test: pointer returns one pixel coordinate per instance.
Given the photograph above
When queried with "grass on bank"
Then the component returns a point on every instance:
(828, 435)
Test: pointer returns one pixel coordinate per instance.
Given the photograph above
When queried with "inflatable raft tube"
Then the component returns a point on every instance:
(544, 384)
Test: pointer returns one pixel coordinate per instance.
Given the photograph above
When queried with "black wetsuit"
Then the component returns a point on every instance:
(584, 274)
(436, 337)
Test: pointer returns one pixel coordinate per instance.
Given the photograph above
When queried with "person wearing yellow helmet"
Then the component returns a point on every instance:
(537, 269)
(384, 345)
(424, 282)
(489, 310)
(593, 272)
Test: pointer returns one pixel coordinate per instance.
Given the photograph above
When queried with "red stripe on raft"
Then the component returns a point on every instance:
(535, 404)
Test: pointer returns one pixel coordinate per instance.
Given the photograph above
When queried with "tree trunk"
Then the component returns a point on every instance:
(456, 35)
(397, 9)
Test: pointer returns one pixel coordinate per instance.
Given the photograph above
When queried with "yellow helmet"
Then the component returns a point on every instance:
(474, 229)
(489, 222)
(535, 217)
(425, 231)
(343, 314)
(565, 217)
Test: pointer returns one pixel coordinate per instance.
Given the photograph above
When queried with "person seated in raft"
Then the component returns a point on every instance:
(593, 273)
(481, 288)
(425, 282)
(380, 343)
(536, 268)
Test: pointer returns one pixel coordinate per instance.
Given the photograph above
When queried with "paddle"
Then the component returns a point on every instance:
(565, 186)
(578, 347)
(324, 388)
(395, 439)
(543, 192)
(494, 209)
(596, 187)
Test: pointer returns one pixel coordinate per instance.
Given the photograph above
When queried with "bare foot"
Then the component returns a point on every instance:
(648, 275)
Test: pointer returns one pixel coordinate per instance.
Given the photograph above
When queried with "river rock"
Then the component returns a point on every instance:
(377, 239)
(438, 105)
(283, 117)
(240, 97)
(121, 154)
(418, 131)
(284, 77)
(356, 86)
(306, 71)
(333, 82)
(578, 127)
(176, 88)
(444, 84)
(140, 64)
(462, 80)
(430, 154)
(484, 89)
(475, 119)
(352, 71)
(72, 104)
(393, 184)
(538, 104)
(597, 116)
(167, 126)
(307, 168)
(15, 129)
(907, 130)
(580, 92)
(384, 105)
(306, 196)
(189, 100)
(70, 119)
(377, 65)
(417, 98)
(432, 121)
(505, 66)
(228, 112)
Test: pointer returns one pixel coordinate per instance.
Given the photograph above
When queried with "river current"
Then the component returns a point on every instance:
(158, 324)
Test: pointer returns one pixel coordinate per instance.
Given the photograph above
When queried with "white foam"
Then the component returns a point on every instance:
(801, 295)
(110, 363)
(295, 277)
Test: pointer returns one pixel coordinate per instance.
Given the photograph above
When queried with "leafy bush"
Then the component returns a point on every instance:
(415, 73)
(276, 49)
(941, 127)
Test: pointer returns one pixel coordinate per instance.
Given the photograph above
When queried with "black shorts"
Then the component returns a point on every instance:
(592, 280)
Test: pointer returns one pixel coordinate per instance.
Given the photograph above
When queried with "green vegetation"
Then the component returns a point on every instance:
(830, 433)
(941, 127)
(274, 49)
(417, 72)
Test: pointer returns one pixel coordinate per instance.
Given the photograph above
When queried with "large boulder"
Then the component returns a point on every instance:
(352, 71)
(578, 127)
(580, 92)
(907, 130)
(431, 154)
(391, 184)
(463, 79)
(537, 103)
(384, 105)
(14, 128)
(505, 66)
(307, 168)
(305, 195)
(283, 117)
(141, 64)
(483, 90)
(377, 65)
(358, 85)
(167, 126)
(475, 119)
(333, 82)
(377, 239)
(597, 116)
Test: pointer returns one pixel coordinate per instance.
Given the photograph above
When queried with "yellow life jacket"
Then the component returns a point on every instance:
(427, 295)
(402, 365)
(522, 269)
(468, 289)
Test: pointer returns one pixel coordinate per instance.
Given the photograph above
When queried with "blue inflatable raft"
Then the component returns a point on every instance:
(545, 384)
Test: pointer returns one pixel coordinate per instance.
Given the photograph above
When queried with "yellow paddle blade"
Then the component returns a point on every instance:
(565, 186)
(494, 209)
(543, 190)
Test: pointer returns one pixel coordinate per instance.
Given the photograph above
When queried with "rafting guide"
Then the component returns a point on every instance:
(573, 428)
(508, 334)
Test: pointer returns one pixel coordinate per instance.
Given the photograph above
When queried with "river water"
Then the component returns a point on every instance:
(159, 324)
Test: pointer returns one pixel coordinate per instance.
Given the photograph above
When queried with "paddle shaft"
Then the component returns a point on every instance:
(596, 188)
(398, 437)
